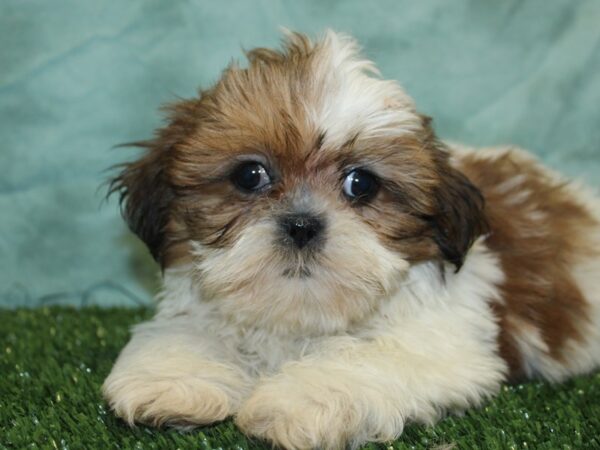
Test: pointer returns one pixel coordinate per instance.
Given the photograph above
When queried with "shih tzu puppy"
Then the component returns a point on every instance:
(333, 271)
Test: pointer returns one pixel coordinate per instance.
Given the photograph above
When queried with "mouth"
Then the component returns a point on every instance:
(296, 272)
(299, 263)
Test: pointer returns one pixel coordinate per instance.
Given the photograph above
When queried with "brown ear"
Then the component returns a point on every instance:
(459, 218)
(145, 197)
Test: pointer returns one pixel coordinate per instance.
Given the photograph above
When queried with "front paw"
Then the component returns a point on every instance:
(175, 399)
(306, 412)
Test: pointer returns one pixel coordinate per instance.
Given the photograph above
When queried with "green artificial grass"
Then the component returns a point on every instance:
(53, 361)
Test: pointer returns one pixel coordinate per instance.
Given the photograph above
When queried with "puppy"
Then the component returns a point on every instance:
(333, 271)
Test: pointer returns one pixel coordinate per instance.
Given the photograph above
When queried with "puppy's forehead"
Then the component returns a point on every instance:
(349, 99)
(305, 100)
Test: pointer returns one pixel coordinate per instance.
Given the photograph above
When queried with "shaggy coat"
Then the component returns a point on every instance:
(460, 270)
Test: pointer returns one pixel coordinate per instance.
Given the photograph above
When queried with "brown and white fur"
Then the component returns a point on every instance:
(467, 269)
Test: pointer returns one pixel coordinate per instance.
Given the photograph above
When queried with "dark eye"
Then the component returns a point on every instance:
(250, 176)
(360, 185)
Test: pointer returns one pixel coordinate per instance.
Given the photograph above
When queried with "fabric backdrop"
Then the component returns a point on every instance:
(78, 77)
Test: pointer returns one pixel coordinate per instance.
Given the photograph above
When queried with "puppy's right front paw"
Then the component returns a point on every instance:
(168, 400)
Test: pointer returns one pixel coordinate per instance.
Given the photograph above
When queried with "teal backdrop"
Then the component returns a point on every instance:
(79, 77)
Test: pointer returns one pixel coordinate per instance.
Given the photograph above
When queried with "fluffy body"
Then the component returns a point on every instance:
(468, 269)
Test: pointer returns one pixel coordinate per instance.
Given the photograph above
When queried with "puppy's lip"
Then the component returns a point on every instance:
(293, 272)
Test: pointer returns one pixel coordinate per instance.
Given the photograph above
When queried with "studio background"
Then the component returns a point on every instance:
(79, 77)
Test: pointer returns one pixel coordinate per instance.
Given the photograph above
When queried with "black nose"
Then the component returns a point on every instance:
(302, 228)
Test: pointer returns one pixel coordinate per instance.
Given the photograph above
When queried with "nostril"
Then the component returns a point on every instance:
(302, 228)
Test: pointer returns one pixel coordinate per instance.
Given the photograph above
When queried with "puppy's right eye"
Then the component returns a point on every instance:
(250, 177)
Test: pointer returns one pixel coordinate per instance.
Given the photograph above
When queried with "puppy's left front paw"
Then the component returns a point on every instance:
(306, 412)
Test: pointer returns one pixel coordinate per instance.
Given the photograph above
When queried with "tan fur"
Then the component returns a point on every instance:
(541, 231)
(463, 269)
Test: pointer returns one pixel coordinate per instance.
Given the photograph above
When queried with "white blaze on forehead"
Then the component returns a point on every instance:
(348, 98)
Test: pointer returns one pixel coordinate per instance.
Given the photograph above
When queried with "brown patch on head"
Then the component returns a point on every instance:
(180, 189)
(536, 228)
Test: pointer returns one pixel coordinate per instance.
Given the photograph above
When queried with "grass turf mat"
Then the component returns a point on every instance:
(53, 361)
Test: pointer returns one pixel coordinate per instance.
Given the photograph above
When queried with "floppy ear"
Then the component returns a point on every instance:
(460, 217)
(145, 197)
(460, 207)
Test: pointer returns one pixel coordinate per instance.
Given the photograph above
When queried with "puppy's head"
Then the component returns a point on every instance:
(299, 189)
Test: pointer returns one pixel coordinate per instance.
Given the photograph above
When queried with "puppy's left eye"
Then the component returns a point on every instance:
(360, 185)
(250, 177)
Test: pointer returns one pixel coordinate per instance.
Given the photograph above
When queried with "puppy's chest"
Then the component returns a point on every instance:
(262, 353)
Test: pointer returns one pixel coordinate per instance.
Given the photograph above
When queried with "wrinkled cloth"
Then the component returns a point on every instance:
(79, 77)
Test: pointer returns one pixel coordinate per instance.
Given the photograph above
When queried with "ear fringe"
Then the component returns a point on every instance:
(460, 206)
(460, 218)
(145, 197)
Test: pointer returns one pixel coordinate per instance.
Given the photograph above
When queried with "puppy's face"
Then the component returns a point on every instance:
(299, 189)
